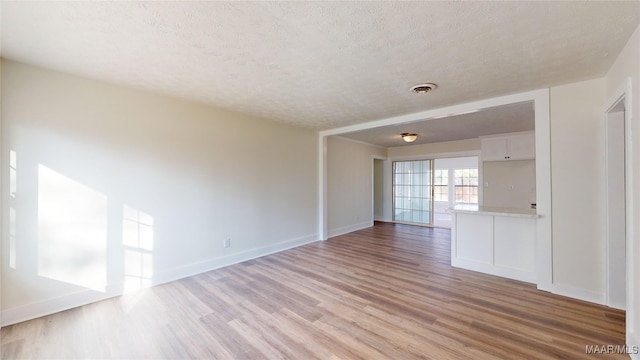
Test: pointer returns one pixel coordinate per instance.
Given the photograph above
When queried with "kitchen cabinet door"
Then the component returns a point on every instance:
(494, 149)
(511, 147)
(522, 147)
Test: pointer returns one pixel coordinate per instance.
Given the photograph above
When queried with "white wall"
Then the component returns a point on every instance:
(349, 184)
(577, 182)
(93, 156)
(3, 249)
(509, 183)
(627, 65)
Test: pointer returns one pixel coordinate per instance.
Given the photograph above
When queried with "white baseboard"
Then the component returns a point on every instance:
(50, 306)
(633, 343)
(350, 228)
(84, 297)
(619, 306)
(516, 274)
(219, 262)
(580, 294)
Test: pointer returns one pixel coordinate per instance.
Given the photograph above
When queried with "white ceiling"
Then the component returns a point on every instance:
(322, 64)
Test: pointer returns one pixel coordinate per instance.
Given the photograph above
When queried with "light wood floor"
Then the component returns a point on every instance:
(387, 292)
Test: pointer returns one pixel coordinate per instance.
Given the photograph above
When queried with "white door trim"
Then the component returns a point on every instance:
(623, 94)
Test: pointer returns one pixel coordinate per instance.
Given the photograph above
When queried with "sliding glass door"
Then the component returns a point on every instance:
(412, 191)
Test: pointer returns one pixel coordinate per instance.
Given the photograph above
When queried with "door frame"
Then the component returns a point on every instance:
(621, 97)
(384, 161)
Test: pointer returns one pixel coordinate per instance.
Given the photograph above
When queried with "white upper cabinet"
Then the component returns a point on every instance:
(517, 146)
(522, 147)
(494, 149)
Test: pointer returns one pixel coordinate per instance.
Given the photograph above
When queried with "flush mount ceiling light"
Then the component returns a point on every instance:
(409, 137)
(423, 88)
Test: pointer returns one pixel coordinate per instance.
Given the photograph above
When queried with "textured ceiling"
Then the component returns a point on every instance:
(322, 64)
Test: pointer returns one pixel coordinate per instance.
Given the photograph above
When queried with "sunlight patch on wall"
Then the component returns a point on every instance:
(137, 238)
(72, 231)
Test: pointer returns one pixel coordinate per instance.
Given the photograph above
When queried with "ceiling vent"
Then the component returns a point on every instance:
(423, 88)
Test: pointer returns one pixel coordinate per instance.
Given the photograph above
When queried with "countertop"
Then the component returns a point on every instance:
(488, 210)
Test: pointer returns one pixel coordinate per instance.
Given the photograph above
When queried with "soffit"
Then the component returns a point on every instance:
(496, 120)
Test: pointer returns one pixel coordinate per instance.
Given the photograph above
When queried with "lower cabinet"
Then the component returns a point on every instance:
(494, 244)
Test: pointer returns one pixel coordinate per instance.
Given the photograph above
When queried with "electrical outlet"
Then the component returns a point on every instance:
(227, 243)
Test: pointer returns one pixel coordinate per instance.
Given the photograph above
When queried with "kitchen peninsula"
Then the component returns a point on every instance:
(494, 240)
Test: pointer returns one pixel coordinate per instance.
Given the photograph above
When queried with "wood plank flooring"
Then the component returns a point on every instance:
(387, 292)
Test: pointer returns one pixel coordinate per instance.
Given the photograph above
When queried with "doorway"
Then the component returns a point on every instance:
(455, 181)
(616, 213)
